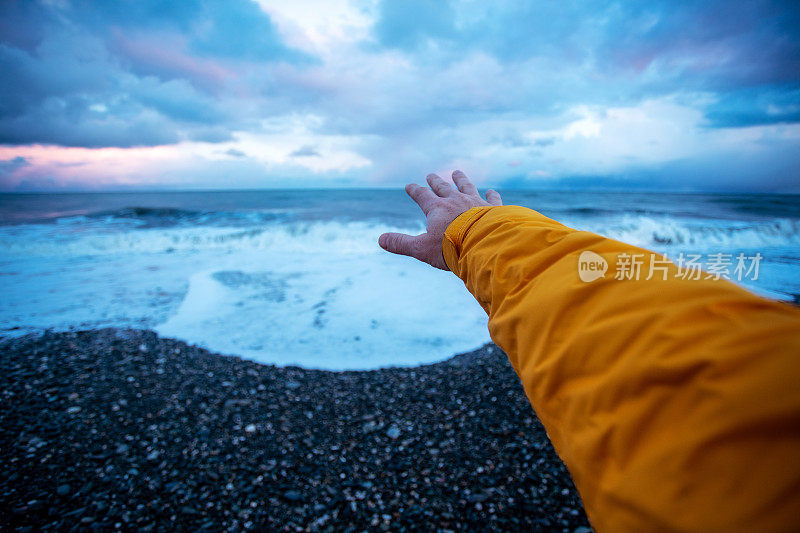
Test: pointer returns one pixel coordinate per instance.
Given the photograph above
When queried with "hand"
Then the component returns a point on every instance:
(442, 203)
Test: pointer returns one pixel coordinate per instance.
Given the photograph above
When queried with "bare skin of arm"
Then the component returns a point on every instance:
(441, 203)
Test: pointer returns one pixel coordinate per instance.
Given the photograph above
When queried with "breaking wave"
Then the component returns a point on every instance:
(310, 237)
(89, 239)
(657, 233)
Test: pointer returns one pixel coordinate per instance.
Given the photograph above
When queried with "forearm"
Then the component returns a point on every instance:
(672, 402)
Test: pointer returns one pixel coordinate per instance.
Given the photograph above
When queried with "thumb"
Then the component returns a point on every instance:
(397, 243)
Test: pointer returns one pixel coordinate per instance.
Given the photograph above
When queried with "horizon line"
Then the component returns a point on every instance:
(394, 188)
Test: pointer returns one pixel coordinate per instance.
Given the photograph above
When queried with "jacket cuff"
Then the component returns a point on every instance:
(455, 233)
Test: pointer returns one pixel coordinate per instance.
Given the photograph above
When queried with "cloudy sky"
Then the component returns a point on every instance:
(331, 93)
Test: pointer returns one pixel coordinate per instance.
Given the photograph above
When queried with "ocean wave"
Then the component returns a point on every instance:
(668, 232)
(165, 217)
(293, 237)
(599, 211)
(361, 236)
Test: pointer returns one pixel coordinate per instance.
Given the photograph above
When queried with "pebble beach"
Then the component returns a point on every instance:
(118, 430)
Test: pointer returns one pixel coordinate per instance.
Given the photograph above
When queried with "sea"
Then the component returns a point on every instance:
(295, 277)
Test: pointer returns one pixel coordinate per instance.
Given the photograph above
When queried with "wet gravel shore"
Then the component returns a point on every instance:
(122, 430)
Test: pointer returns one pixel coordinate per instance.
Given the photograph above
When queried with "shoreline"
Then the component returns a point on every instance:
(115, 429)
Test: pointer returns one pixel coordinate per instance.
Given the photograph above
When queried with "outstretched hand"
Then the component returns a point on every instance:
(442, 203)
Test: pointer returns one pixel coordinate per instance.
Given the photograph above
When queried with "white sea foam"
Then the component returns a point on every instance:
(304, 237)
(340, 312)
(358, 237)
(312, 293)
(320, 295)
(651, 232)
(780, 232)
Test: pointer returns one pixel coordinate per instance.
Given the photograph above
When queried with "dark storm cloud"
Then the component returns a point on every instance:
(233, 152)
(10, 165)
(756, 106)
(748, 53)
(521, 90)
(124, 74)
(305, 151)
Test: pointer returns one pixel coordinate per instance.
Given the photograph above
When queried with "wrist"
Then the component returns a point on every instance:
(455, 233)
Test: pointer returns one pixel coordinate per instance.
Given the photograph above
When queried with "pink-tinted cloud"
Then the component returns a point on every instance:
(164, 55)
(74, 167)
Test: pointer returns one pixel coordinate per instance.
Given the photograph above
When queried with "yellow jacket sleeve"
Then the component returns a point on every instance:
(674, 403)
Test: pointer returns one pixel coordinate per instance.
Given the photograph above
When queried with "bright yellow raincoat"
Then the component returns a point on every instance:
(674, 403)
